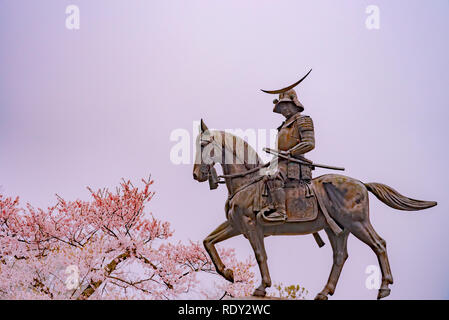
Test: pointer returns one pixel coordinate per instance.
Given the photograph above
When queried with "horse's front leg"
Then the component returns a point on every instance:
(223, 232)
(255, 235)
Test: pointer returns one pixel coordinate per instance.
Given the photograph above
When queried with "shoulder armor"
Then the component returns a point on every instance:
(305, 123)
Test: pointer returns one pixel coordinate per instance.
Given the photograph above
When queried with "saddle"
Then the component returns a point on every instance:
(301, 203)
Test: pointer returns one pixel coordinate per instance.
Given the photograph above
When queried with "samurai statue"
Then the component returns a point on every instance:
(295, 138)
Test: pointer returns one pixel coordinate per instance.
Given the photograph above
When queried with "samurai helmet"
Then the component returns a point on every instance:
(287, 94)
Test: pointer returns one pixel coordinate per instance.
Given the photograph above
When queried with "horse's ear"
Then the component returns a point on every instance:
(203, 126)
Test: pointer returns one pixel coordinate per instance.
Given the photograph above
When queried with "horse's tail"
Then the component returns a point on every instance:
(394, 199)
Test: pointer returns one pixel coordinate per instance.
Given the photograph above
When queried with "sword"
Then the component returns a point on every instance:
(303, 162)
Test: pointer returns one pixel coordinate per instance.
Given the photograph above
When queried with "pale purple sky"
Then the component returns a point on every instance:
(88, 107)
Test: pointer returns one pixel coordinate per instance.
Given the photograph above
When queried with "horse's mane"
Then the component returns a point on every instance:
(243, 151)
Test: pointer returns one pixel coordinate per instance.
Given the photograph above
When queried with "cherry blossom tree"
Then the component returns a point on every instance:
(107, 248)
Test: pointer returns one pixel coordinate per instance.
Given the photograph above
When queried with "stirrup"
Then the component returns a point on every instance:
(280, 218)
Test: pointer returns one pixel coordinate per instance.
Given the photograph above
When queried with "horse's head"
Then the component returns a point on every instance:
(207, 152)
(231, 151)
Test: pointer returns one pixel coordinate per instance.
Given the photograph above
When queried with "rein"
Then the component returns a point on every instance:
(244, 187)
(242, 174)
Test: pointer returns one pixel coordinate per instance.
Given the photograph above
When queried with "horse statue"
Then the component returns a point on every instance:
(345, 199)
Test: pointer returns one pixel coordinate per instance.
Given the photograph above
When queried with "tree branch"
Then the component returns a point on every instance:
(108, 270)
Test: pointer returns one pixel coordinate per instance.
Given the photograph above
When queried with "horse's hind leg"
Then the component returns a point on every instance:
(221, 233)
(339, 247)
(365, 232)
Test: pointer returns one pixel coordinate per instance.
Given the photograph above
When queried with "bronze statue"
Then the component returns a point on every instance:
(296, 136)
(289, 202)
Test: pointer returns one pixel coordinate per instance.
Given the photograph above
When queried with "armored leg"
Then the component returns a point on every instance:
(278, 197)
(276, 186)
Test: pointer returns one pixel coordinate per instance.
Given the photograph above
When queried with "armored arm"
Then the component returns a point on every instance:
(307, 134)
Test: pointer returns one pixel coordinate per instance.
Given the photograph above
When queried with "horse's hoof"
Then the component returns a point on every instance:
(229, 275)
(259, 293)
(383, 293)
(321, 296)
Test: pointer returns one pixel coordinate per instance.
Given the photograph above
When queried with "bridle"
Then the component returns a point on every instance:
(214, 179)
(208, 168)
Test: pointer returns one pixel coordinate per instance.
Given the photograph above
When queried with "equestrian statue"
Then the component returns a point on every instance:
(281, 198)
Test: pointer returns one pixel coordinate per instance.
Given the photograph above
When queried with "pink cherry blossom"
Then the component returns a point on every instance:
(107, 248)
